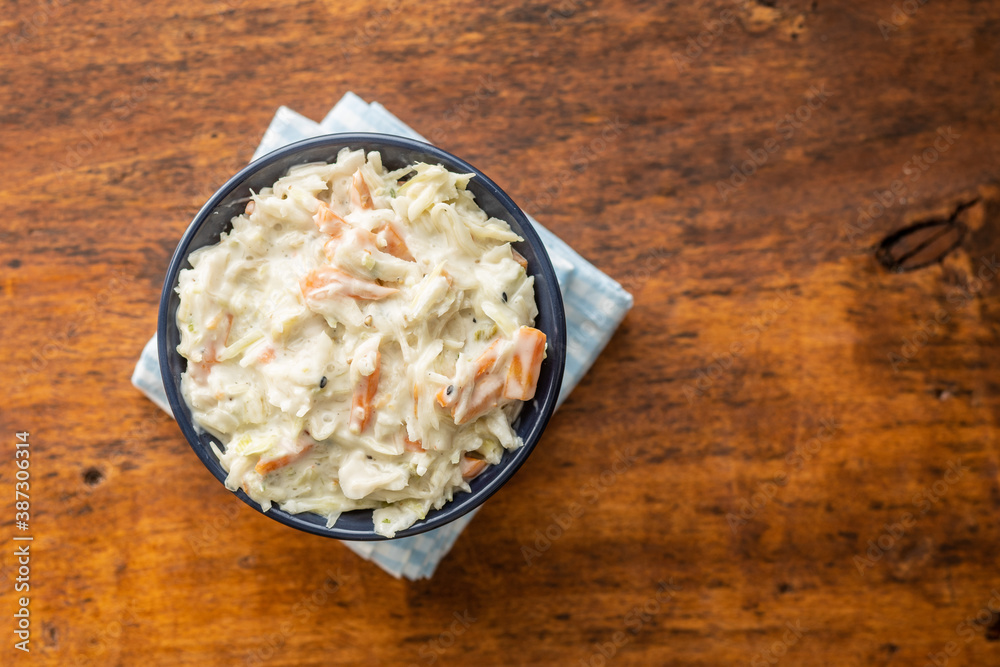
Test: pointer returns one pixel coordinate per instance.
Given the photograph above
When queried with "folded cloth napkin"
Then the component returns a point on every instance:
(595, 306)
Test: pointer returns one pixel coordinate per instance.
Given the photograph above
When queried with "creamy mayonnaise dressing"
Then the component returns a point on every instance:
(360, 339)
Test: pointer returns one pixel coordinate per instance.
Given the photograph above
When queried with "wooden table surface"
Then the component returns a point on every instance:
(786, 455)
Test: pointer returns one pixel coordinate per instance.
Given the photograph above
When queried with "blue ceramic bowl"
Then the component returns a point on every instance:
(396, 152)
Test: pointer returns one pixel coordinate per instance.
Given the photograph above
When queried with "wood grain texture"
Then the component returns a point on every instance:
(784, 399)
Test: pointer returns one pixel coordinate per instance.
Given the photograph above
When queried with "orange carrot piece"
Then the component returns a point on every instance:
(365, 239)
(227, 329)
(270, 465)
(395, 245)
(486, 361)
(328, 281)
(364, 397)
(329, 222)
(200, 370)
(485, 397)
(519, 258)
(522, 374)
(443, 397)
(412, 446)
(484, 385)
(361, 196)
(227, 324)
(267, 356)
(471, 467)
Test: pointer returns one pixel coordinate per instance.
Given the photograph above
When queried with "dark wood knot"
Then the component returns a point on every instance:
(923, 243)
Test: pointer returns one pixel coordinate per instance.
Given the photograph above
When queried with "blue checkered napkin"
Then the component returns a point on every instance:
(595, 306)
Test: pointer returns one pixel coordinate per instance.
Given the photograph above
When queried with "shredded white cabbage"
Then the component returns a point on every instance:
(360, 342)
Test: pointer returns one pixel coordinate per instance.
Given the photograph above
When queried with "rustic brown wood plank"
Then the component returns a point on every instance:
(119, 120)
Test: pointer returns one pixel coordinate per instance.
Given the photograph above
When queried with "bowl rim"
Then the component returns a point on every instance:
(367, 141)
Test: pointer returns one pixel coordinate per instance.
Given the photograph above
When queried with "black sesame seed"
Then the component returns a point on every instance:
(322, 382)
(504, 295)
(473, 320)
(449, 390)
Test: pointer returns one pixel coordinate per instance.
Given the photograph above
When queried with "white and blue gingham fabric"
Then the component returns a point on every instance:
(595, 306)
